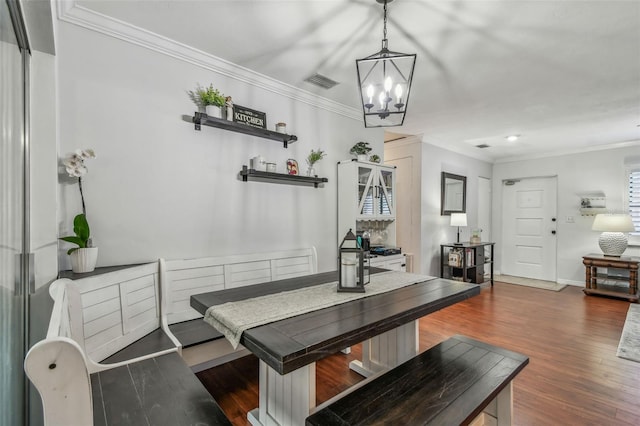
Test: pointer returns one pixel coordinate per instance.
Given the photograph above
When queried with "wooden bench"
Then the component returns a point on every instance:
(115, 315)
(460, 381)
(201, 345)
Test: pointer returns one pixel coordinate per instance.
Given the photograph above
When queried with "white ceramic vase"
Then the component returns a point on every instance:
(213, 111)
(362, 157)
(84, 259)
(311, 171)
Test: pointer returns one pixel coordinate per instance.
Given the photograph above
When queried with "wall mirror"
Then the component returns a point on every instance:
(454, 194)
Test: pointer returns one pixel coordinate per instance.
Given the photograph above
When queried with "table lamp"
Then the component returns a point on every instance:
(458, 219)
(613, 240)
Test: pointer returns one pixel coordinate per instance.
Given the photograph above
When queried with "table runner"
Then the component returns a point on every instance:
(233, 318)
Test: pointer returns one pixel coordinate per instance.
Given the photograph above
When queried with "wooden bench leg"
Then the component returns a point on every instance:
(387, 350)
(499, 411)
(284, 399)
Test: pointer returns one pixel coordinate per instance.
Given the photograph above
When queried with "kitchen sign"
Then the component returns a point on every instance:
(249, 116)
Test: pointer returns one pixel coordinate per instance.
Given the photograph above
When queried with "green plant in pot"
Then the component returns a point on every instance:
(209, 99)
(83, 257)
(313, 158)
(360, 149)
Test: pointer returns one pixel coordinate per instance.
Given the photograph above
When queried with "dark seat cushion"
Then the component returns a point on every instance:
(449, 384)
(194, 332)
(158, 391)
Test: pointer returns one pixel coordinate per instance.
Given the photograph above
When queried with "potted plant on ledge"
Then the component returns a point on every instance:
(312, 159)
(83, 257)
(360, 150)
(209, 99)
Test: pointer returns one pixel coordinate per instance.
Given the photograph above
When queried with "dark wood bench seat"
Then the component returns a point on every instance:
(194, 332)
(157, 391)
(154, 342)
(449, 384)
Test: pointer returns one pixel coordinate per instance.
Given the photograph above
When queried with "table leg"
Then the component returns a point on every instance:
(587, 278)
(387, 350)
(284, 399)
(633, 281)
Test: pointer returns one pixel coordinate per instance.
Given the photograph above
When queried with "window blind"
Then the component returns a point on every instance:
(634, 198)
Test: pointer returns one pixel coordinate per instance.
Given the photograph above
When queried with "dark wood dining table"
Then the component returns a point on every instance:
(386, 324)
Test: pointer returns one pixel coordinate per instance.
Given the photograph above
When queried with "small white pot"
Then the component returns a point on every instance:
(362, 157)
(213, 111)
(84, 259)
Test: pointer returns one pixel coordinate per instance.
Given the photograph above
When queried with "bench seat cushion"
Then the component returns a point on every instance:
(194, 332)
(157, 391)
(449, 384)
(154, 342)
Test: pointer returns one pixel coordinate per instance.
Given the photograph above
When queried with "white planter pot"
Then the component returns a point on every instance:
(362, 157)
(213, 111)
(84, 259)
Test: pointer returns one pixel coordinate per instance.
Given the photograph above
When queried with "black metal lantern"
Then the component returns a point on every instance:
(384, 81)
(353, 265)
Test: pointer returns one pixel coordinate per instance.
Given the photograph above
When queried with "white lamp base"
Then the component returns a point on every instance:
(613, 243)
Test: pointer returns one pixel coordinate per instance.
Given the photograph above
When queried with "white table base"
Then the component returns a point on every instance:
(387, 350)
(285, 400)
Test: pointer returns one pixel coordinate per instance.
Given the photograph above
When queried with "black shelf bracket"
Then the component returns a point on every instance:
(200, 119)
(252, 174)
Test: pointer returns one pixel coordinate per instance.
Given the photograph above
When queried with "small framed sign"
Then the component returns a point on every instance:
(250, 117)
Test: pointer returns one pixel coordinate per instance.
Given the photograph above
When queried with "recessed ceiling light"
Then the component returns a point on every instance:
(513, 138)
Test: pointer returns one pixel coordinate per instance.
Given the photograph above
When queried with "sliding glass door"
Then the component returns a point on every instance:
(13, 306)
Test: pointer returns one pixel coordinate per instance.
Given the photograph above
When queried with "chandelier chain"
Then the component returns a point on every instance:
(385, 21)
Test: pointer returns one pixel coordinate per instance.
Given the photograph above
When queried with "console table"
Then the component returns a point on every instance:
(472, 262)
(608, 284)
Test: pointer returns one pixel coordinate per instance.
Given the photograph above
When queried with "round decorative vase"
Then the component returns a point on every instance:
(613, 243)
(362, 157)
(84, 259)
(213, 111)
(311, 171)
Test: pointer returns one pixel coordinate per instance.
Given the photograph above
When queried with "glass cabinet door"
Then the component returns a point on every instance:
(366, 192)
(386, 195)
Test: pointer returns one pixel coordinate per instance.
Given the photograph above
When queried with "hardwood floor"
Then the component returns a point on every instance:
(573, 378)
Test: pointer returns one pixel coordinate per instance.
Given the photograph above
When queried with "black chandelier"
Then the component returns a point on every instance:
(384, 81)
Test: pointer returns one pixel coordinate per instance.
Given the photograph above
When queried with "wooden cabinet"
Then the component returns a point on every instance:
(611, 276)
(467, 262)
(366, 200)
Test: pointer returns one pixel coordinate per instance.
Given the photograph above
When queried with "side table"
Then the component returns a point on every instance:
(607, 284)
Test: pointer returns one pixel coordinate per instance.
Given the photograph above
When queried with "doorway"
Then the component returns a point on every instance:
(529, 228)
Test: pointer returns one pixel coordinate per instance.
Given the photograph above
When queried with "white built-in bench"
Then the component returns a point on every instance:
(126, 323)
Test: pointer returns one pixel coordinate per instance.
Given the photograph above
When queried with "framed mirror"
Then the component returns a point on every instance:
(454, 194)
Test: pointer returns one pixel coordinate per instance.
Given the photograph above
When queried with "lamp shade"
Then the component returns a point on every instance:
(458, 219)
(612, 223)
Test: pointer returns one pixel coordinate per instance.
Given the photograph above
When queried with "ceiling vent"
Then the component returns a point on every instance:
(482, 145)
(321, 81)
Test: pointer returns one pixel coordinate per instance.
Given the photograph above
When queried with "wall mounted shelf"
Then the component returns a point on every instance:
(251, 174)
(201, 119)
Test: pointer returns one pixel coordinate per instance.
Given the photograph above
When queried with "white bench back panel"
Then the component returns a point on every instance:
(116, 309)
(184, 278)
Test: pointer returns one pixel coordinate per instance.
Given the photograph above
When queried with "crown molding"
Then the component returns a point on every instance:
(70, 12)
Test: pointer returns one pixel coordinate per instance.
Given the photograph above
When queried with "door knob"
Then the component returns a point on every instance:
(553, 219)
(553, 232)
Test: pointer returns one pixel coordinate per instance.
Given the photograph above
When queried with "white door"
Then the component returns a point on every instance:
(529, 228)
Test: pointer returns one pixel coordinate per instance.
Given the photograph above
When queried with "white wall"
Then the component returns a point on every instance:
(435, 228)
(160, 189)
(580, 173)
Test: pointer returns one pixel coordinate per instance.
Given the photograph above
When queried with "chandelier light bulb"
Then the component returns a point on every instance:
(387, 84)
(370, 93)
(381, 98)
(398, 92)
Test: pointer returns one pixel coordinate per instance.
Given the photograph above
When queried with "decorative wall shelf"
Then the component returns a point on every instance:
(252, 174)
(201, 119)
(591, 205)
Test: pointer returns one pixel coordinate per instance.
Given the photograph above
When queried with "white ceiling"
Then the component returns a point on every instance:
(563, 74)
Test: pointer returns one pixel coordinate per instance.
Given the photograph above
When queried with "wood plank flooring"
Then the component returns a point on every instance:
(573, 378)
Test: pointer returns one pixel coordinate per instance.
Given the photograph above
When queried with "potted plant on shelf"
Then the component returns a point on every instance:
(83, 257)
(312, 159)
(209, 99)
(375, 158)
(360, 150)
